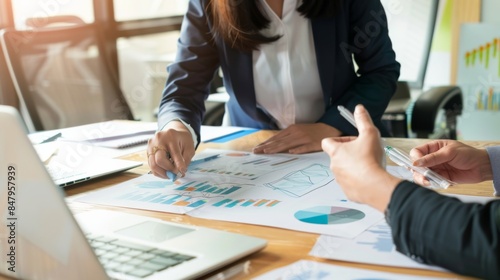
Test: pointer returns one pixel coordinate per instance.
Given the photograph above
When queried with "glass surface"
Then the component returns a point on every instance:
(133, 9)
(142, 64)
(24, 9)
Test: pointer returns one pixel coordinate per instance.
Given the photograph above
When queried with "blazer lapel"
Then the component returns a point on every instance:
(324, 45)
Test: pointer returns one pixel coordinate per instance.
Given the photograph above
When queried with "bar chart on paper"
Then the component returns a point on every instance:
(373, 246)
(231, 203)
(166, 199)
(382, 238)
(206, 187)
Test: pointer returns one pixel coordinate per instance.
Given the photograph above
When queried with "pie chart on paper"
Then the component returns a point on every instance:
(329, 215)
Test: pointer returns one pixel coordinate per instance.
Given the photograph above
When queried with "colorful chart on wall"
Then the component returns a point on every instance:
(479, 79)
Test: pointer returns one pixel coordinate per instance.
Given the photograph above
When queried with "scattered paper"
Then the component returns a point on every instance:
(311, 270)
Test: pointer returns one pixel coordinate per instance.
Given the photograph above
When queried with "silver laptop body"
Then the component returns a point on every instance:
(41, 239)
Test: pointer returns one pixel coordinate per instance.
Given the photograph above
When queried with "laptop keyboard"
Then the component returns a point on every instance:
(131, 258)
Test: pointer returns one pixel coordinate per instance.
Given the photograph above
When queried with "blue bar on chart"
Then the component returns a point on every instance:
(488, 100)
(160, 198)
(230, 203)
(207, 188)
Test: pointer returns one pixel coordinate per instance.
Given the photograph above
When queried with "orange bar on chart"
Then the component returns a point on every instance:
(182, 203)
(261, 202)
(273, 203)
(490, 99)
(495, 47)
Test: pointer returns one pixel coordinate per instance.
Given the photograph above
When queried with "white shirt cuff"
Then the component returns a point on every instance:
(188, 126)
(494, 154)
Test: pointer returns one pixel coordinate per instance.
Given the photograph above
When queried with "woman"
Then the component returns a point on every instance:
(286, 65)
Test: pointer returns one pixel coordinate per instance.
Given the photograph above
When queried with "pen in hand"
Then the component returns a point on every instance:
(403, 159)
(347, 115)
(173, 176)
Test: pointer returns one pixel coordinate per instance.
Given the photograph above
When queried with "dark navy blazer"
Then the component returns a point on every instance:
(358, 30)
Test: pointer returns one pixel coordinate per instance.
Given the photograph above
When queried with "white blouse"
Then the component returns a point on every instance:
(286, 77)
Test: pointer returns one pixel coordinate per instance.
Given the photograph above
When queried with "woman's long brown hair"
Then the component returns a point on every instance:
(239, 22)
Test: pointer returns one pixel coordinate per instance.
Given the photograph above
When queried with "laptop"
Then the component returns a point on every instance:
(68, 167)
(41, 239)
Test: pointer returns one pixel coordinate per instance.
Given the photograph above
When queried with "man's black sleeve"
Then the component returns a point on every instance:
(443, 231)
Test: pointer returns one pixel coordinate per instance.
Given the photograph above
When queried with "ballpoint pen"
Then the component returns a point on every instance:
(347, 115)
(52, 138)
(403, 159)
(173, 176)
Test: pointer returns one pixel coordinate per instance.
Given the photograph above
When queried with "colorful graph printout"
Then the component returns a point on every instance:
(230, 203)
(239, 199)
(305, 269)
(373, 246)
(328, 215)
(161, 198)
(206, 187)
(302, 181)
(478, 77)
(246, 166)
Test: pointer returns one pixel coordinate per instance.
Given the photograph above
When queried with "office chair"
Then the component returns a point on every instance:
(62, 76)
(427, 108)
(395, 116)
(426, 114)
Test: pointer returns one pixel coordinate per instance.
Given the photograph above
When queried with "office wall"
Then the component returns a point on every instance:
(490, 10)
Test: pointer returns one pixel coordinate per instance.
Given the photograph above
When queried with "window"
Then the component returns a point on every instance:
(135, 10)
(140, 40)
(142, 63)
(40, 10)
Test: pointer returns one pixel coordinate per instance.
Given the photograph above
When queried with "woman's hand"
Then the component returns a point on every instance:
(297, 139)
(170, 150)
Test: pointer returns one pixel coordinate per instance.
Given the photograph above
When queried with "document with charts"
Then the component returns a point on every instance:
(375, 245)
(305, 269)
(295, 192)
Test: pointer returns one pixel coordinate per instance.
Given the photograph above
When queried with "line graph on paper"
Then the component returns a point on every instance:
(243, 166)
(303, 181)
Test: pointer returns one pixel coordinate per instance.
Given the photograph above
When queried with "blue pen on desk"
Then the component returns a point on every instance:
(173, 176)
(403, 159)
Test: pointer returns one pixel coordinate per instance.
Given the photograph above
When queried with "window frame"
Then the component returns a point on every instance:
(104, 17)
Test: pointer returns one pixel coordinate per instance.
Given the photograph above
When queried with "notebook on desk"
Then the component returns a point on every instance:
(41, 239)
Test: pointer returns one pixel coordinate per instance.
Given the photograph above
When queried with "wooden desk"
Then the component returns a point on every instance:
(284, 246)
